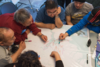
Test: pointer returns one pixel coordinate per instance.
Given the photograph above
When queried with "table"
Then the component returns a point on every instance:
(73, 50)
(93, 37)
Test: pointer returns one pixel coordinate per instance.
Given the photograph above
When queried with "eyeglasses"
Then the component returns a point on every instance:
(52, 12)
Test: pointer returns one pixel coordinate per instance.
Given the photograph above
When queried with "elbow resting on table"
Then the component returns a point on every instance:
(60, 26)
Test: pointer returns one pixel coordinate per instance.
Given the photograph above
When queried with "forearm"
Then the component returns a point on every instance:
(77, 27)
(42, 25)
(15, 55)
(58, 22)
(39, 34)
(68, 20)
(69, 23)
(57, 57)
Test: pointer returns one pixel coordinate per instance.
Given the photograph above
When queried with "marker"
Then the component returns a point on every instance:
(98, 40)
(29, 41)
(87, 58)
(39, 57)
(59, 41)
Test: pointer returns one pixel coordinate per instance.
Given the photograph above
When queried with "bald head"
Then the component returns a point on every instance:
(6, 36)
(3, 30)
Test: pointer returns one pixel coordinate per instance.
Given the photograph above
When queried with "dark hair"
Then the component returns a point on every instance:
(80, 0)
(50, 4)
(27, 59)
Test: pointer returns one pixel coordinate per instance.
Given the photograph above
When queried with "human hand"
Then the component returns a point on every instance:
(54, 53)
(27, 31)
(58, 11)
(43, 37)
(22, 45)
(51, 26)
(70, 24)
(63, 36)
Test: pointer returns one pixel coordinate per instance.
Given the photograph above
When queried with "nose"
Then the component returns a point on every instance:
(14, 37)
(31, 22)
(52, 15)
(78, 4)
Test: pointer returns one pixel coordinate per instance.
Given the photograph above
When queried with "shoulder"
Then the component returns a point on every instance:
(88, 5)
(2, 51)
(70, 5)
(42, 9)
(2, 48)
(62, 9)
(7, 15)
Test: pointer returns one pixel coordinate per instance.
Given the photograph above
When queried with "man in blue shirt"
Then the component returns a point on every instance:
(50, 16)
(91, 21)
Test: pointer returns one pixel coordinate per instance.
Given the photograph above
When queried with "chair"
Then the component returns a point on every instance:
(7, 8)
(27, 3)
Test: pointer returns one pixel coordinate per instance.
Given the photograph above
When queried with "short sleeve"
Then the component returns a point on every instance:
(62, 15)
(67, 11)
(5, 60)
(90, 8)
(40, 15)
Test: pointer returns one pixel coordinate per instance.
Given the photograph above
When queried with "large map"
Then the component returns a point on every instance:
(73, 49)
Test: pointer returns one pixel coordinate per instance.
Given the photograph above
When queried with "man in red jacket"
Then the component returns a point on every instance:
(19, 21)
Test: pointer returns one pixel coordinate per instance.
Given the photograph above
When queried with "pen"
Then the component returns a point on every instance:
(29, 41)
(87, 58)
(39, 57)
(59, 41)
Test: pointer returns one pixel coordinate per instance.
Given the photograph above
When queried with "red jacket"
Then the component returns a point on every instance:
(7, 20)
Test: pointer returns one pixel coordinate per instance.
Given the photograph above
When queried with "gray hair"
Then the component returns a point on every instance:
(21, 15)
(2, 37)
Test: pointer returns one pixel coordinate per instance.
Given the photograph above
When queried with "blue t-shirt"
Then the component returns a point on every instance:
(43, 17)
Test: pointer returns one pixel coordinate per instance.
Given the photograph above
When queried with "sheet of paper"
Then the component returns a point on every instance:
(73, 50)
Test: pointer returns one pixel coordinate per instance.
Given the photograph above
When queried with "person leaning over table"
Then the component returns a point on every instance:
(76, 10)
(31, 59)
(91, 21)
(19, 21)
(50, 15)
(7, 38)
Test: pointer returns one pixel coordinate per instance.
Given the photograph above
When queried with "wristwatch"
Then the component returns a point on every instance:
(41, 35)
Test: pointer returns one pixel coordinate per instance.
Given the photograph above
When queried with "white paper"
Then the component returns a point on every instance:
(73, 50)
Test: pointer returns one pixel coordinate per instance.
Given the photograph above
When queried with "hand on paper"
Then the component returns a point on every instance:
(44, 38)
(55, 55)
(63, 36)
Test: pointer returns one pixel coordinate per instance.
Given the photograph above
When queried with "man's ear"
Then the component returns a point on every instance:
(1, 43)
